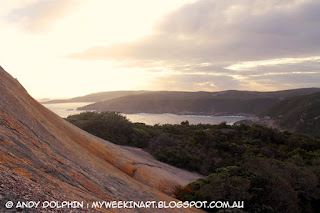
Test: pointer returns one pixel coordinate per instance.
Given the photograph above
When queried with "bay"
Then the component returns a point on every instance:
(167, 118)
(66, 109)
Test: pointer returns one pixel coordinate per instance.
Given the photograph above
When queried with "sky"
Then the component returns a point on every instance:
(68, 48)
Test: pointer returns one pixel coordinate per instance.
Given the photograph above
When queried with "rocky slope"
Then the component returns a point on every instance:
(43, 157)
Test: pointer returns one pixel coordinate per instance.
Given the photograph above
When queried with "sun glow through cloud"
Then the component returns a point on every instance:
(252, 64)
(67, 48)
(36, 51)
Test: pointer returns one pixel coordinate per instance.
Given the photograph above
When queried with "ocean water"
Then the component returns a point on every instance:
(167, 118)
(66, 109)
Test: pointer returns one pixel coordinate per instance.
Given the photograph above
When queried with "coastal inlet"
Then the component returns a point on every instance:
(66, 109)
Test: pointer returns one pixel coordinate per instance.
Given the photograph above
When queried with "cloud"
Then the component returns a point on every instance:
(303, 67)
(282, 76)
(40, 15)
(286, 81)
(262, 78)
(252, 64)
(225, 31)
(195, 82)
(200, 42)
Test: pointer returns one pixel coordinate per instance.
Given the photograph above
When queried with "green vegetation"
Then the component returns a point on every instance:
(114, 127)
(229, 102)
(271, 171)
(300, 114)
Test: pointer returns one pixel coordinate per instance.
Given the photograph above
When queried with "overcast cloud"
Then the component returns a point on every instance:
(223, 33)
(161, 45)
(226, 31)
(40, 15)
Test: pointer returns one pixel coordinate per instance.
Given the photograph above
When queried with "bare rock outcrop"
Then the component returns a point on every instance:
(43, 157)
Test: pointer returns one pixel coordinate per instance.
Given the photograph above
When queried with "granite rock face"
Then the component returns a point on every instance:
(43, 157)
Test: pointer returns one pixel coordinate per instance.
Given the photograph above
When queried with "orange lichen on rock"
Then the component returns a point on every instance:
(43, 157)
(22, 172)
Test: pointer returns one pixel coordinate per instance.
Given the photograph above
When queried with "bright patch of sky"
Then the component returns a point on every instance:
(272, 62)
(68, 48)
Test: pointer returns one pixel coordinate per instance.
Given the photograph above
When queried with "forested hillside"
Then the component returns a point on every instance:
(271, 171)
(299, 114)
(230, 102)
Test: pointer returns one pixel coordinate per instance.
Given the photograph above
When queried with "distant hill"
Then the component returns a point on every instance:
(299, 114)
(95, 97)
(229, 102)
